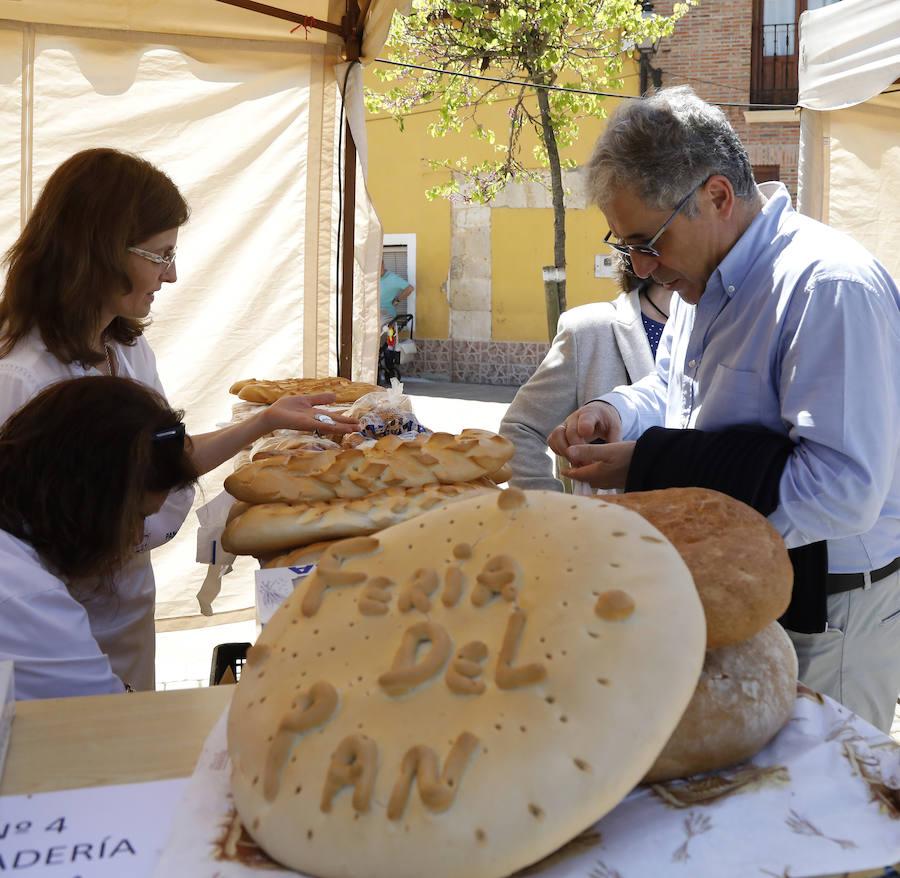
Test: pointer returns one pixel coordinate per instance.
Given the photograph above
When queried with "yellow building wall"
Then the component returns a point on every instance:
(521, 238)
(397, 180)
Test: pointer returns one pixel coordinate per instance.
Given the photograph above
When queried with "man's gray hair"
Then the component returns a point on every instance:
(661, 146)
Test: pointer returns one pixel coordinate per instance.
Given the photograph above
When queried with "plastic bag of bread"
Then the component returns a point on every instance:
(242, 410)
(383, 413)
(289, 442)
(377, 424)
(389, 399)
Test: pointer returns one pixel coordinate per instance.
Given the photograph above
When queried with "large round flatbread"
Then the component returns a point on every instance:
(739, 561)
(559, 641)
(745, 694)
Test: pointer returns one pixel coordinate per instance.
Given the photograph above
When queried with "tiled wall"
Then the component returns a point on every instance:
(475, 362)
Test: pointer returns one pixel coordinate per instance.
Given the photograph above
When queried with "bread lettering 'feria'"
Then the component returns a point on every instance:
(462, 693)
(390, 463)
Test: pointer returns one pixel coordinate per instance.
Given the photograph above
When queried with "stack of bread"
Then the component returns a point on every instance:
(464, 692)
(744, 577)
(291, 506)
(254, 394)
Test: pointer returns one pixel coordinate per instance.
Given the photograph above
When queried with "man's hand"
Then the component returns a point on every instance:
(601, 466)
(596, 420)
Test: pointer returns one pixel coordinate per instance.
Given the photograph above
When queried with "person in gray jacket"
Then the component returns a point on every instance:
(597, 347)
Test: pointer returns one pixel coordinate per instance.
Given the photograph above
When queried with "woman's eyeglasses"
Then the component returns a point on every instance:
(155, 257)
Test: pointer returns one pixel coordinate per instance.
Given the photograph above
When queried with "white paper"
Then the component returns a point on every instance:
(822, 797)
(101, 832)
(207, 839)
(212, 517)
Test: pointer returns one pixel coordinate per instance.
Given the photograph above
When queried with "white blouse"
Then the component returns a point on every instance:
(46, 632)
(121, 624)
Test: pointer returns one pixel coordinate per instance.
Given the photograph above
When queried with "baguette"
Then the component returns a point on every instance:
(355, 472)
(274, 527)
(267, 391)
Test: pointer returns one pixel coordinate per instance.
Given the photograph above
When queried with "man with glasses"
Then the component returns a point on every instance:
(782, 324)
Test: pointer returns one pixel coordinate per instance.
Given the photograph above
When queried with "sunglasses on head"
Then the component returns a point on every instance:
(170, 434)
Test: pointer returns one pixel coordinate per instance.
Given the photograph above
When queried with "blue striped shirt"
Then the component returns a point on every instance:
(797, 330)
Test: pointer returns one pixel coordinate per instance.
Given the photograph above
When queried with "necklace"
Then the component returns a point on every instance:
(646, 296)
(109, 370)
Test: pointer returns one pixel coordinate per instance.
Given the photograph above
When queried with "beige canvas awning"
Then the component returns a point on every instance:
(246, 116)
(850, 122)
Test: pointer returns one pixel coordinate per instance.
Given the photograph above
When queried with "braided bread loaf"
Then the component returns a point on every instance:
(391, 462)
(264, 528)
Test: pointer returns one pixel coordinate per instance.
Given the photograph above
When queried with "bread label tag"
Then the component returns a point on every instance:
(274, 586)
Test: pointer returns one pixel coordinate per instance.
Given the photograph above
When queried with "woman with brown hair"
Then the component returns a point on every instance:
(81, 280)
(81, 467)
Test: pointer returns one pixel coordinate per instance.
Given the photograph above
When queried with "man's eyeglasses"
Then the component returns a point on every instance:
(648, 249)
(165, 261)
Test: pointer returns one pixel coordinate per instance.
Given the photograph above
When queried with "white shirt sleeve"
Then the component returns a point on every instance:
(46, 633)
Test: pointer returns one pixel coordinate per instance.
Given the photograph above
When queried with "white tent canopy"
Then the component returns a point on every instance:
(850, 122)
(246, 118)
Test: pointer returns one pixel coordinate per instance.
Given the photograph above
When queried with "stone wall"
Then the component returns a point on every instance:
(475, 362)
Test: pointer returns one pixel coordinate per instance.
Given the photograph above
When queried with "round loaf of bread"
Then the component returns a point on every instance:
(738, 559)
(463, 693)
(745, 694)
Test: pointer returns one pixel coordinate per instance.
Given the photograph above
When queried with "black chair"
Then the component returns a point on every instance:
(225, 657)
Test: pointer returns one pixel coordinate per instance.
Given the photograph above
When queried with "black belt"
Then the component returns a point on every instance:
(835, 583)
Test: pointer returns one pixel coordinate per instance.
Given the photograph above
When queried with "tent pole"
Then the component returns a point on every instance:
(345, 358)
(350, 25)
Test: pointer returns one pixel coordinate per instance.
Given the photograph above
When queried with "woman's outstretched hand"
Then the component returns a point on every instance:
(300, 413)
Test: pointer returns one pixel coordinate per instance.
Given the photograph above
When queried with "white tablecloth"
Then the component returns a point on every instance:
(823, 797)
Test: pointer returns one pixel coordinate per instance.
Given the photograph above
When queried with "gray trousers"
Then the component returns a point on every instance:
(856, 660)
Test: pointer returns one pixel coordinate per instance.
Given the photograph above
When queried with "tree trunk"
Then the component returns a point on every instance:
(556, 189)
